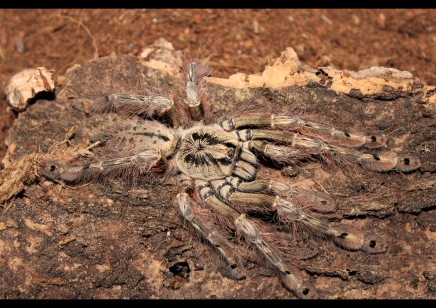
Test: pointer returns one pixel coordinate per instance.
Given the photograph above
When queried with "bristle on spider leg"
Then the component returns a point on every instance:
(202, 225)
(304, 195)
(194, 87)
(196, 70)
(383, 161)
(332, 135)
(253, 235)
(314, 200)
(304, 147)
(280, 154)
(344, 236)
(147, 106)
(289, 212)
(289, 275)
(128, 168)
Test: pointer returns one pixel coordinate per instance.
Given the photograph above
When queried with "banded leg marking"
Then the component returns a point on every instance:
(194, 76)
(290, 276)
(143, 163)
(287, 211)
(320, 131)
(306, 197)
(345, 236)
(186, 207)
(302, 147)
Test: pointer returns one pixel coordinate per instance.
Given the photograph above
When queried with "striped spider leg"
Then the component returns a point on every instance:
(303, 138)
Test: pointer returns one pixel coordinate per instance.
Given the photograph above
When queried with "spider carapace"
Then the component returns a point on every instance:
(218, 166)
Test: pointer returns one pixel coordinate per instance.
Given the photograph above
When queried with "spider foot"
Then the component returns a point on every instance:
(293, 281)
(350, 238)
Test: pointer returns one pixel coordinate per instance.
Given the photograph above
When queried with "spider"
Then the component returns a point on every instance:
(217, 166)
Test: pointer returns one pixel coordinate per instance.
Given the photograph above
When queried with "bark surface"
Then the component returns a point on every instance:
(106, 240)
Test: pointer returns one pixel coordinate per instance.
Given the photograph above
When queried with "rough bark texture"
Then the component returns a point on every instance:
(107, 241)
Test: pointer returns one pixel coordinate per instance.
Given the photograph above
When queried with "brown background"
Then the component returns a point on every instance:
(242, 41)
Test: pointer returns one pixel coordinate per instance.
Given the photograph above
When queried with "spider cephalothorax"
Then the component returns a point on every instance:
(207, 153)
(220, 163)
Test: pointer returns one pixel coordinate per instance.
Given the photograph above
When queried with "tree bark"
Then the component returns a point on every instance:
(106, 240)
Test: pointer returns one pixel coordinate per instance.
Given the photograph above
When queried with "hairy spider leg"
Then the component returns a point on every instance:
(301, 194)
(194, 85)
(304, 147)
(147, 162)
(337, 141)
(290, 276)
(287, 211)
(320, 131)
(148, 106)
(190, 211)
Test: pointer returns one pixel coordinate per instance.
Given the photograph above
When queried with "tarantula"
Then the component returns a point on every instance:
(218, 166)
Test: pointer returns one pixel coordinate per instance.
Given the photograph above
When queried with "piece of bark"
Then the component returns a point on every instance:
(108, 241)
(24, 86)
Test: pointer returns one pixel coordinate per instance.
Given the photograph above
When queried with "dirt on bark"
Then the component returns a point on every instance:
(104, 240)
